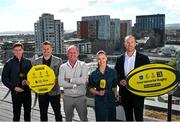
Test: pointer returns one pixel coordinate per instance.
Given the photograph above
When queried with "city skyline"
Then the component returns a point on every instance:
(20, 15)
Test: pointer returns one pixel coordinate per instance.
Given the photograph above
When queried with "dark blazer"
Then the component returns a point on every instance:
(139, 61)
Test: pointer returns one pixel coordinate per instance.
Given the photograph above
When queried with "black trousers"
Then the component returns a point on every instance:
(19, 99)
(44, 104)
(133, 106)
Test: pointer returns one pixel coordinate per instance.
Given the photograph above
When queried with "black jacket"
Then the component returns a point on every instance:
(11, 72)
(139, 61)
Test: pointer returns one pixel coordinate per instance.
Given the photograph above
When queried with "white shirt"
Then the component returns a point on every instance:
(129, 63)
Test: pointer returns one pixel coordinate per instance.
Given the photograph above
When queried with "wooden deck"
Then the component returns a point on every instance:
(6, 113)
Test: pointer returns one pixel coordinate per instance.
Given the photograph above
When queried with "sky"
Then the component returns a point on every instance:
(20, 15)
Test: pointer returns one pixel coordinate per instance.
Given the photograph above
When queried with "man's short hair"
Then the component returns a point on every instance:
(47, 43)
(129, 36)
(18, 44)
(72, 46)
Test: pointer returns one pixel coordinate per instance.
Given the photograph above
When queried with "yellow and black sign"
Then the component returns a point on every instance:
(41, 78)
(152, 80)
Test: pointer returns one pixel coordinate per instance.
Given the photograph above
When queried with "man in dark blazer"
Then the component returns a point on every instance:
(133, 104)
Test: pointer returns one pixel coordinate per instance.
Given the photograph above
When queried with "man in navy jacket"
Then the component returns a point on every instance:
(131, 59)
(14, 76)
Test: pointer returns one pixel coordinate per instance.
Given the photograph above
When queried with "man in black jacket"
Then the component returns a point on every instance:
(14, 76)
(133, 104)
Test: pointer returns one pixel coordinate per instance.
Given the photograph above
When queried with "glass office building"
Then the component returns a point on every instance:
(148, 25)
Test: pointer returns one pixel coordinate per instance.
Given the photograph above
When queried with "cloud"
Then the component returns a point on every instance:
(11, 22)
(21, 14)
(131, 13)
(111, 1)
(92, 2)
(170, 5)
(171, 9)
(68, 11)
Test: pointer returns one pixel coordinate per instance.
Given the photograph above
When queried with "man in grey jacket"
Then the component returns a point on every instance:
(73, 77)
(54, 95)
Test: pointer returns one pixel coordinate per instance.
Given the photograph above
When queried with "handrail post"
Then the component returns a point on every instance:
(169, 107)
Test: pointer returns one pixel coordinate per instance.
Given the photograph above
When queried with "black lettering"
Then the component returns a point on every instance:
(152, 85)
(39, 68)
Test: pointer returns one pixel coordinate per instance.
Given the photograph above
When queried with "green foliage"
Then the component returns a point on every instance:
(172, 63)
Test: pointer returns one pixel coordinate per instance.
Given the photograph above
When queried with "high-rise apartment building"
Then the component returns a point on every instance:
(102, 31)
(82, 29)
(152, 26)
(46, 28)
(100, 24)
(87, 29)
(115, 30)
(59, 32)
(125, 28)
(92, 29)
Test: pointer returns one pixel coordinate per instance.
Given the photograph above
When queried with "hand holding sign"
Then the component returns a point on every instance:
(41, 78)
(123, 82)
